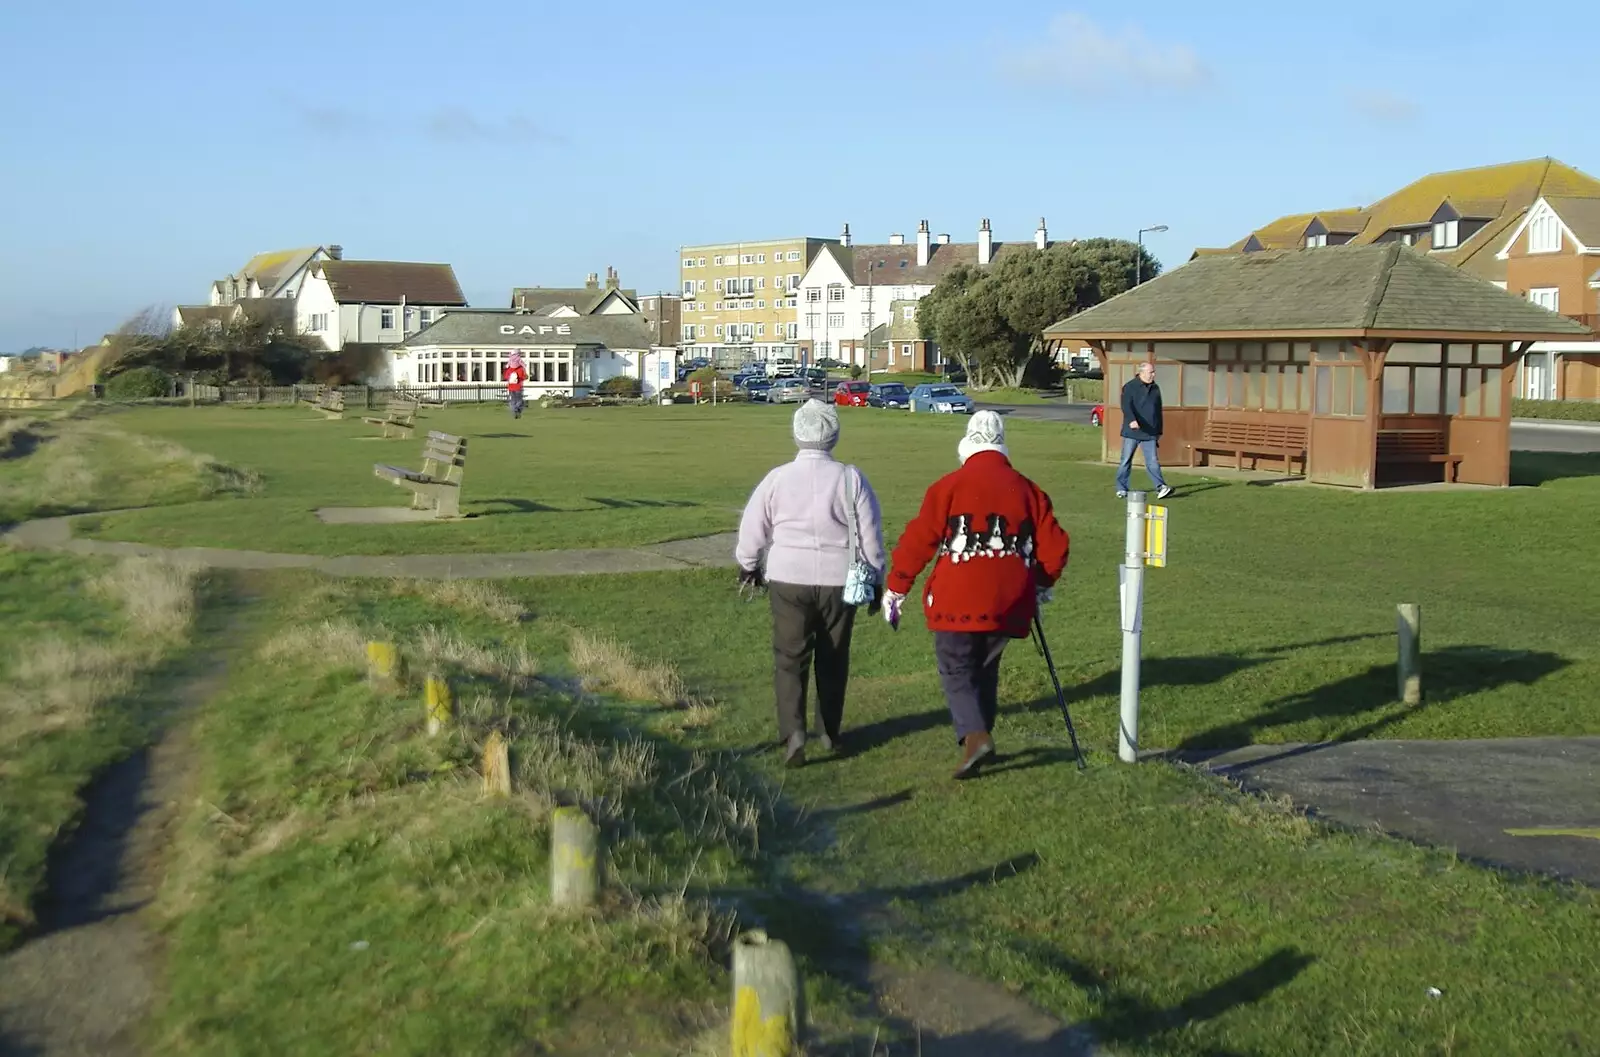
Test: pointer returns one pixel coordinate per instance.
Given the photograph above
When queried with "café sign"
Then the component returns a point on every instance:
(510, 329)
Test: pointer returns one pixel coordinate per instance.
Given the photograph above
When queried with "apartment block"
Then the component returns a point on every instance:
(740, 300)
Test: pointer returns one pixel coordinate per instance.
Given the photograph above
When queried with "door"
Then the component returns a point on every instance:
(1539, 375)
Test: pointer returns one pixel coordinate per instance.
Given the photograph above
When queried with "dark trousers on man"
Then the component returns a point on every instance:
(810, 628)
(969, 668)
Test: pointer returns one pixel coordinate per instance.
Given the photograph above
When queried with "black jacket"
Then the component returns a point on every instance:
(1141, 403)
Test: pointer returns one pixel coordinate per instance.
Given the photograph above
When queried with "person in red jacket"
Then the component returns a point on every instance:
(514, 376)
(996, 549)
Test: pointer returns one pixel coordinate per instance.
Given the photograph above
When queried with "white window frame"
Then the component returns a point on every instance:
(425, 316)
(688, 288)
(761, 258)
(1546, 297)
(760, 303)
(1544, 234)
(866, 319)
(761, 330)
(699, 286)
(794, 255)
(717, 260)
(835, 293)
(385, 319)
(1447, 234)
(717, 286)
(718, 331)
(702, 330)
(761, 282)
(813, 295)
(700, 262)
(688, 332)
(747, 258)
(794, 331)
(908, 312)
(688, 262)
(835, 316)
(1316, 241)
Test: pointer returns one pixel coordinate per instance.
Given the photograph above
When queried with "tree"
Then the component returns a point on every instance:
(992, 321)
(256, 351)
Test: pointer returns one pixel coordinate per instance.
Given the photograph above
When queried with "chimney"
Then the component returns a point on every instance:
(922, 244)
(943, 238)
(336, 253)
(612, 281)
(844, 237)
(593, 282)
(985, 243)
(897, 239)
(1041, 238)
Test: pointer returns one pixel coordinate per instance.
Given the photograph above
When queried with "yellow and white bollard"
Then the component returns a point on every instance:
(768, 1000)
(436, 694)
(384, 666)
(576, 859)
(496, 766)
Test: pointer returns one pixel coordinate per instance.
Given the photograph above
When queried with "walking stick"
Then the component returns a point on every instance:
(1061, 697)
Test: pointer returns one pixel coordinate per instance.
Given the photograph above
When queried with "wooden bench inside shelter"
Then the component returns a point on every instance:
(1242, 437)
(400, 416)
(1416, 447)
(437, 486)
(329, 402)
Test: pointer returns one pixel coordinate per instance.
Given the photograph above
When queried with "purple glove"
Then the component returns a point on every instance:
(892, 603)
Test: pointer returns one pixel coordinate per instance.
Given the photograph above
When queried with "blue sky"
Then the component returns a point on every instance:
(152, 147)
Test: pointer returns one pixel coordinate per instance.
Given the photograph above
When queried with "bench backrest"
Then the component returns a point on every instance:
(403, 406)
(1245, 433)
(1401, 442)
(444, 456)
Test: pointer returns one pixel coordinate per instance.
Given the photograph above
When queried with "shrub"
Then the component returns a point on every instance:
(705, 376)
(619, 385)
(139, 383)
(1569, 410)
(855, 372)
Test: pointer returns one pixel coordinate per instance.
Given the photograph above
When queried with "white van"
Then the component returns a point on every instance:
(782, 368)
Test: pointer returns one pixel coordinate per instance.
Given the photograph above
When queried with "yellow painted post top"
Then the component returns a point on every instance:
(1155, 536)
(755, 1035)
(382, 656)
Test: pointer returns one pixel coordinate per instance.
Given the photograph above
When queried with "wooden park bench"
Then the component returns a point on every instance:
(437, 486)
(1416, 447)
(400, 415)
(329, 402)
(1239, 437)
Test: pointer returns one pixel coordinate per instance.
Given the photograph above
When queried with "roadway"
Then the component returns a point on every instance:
(1526, 434)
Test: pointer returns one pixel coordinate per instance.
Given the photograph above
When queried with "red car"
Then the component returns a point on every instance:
(1097, 414)
(852, 394)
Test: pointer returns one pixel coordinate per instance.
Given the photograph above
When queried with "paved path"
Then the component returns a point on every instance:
(701, 552)
(1527, 803)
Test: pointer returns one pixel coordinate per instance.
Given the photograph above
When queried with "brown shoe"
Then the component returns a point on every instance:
(979, 747)
(794, 750)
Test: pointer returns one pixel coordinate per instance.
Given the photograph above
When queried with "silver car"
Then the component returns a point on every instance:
(941, 397)
(790, 391)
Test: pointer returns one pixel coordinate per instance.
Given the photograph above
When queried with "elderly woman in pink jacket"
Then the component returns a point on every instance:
(816, 522)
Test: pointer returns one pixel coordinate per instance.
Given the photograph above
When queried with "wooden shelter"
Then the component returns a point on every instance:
(1363, 365)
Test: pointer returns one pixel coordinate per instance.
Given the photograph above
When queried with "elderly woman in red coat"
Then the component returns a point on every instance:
(996, 549)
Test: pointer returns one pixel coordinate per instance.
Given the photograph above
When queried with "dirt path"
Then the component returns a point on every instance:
(83, 986)
(700, 552)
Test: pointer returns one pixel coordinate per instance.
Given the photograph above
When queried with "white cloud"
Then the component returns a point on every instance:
(1107, 61)
(1377, 104)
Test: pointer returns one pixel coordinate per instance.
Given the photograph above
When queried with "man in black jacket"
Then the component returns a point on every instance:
(1141, 429)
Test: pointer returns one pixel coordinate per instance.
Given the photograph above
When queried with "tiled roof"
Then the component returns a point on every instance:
(1332, 290)
(386, 282)
(271, 269)
(486, 328)
(580, 299)
(1581, 215)
(900, 262)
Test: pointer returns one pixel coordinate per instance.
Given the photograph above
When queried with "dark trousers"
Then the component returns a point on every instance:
(969, 668)
(810, 627)
(516, 403)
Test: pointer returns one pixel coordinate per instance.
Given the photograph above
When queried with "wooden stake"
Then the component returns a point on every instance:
(496, 766)
(576, 859)
(1410, 666)
(383, 666)
(768, 1000)
(436, 692)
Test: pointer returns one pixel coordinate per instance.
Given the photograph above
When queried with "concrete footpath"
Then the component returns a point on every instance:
(1531, 804)
(698, 553)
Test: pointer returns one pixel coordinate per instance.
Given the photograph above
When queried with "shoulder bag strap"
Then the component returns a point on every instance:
(850, 512)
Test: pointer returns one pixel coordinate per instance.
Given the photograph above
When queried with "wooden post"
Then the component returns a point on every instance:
(496, 766)
(436, 693)
(576, 859)
(383, 666)
(768, 1000)
(1410, 667)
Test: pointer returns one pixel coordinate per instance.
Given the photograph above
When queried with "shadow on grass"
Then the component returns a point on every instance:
(11, 1046)
(21, 444)
(521, 506)
(1450, 673)
(640, 504)
(1534, 468)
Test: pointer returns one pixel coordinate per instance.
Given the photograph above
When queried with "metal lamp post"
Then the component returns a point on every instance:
(1138, 262)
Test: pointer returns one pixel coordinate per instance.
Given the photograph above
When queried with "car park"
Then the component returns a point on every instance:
(893, 396)
(941, 399)
(790, 391)
(852, 394)
(782, 368)
(756, 389)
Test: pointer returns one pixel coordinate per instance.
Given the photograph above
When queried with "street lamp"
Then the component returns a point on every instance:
(1138, 262)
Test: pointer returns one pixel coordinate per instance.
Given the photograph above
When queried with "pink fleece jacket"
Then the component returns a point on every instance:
(797, 515)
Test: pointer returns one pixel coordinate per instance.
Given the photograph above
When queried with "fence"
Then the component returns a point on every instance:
(362, 396)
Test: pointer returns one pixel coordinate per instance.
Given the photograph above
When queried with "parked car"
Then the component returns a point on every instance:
(937, 397)
(891, 395)
(756, 389)
(852, 394)
(790, 391)
(1097, 414)
(783, 368)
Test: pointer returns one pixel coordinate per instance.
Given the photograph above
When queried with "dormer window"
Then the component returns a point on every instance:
(1544, 234)
(1314, 241)
(1446, 234)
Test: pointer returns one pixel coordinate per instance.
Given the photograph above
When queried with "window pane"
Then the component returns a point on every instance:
(1269, 396)
(1459, 353)
(1167, 379)
(1236, 387)
(1472, 402)
(1253, 352)
(1324, 391)
(1291, 389)
(1491, 354)
(1341, 392)
(1278, 351)
(1396, 390)
(1227, 351)
(1252, 386)
(1452, 391)
(1219, 391)
(1358, 392)
(1305, 389)
(1196, 385)
(1491, 394)
(1426, 387)
(1302, 352)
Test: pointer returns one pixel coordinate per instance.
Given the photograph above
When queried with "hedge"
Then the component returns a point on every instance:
(1569, 410)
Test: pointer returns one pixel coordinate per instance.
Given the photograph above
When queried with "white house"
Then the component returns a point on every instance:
(591, 299)
(848, 290)
(565, 355)
(374, 302)
(276, 273)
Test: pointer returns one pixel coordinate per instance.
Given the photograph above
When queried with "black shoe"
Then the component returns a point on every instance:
(794, 750)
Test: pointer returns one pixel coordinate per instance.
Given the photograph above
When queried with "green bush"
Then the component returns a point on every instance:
(139, 383)
(619, 385)
(705, 376)
(1569, 410)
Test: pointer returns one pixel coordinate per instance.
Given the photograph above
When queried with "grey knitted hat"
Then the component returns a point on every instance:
(816, 426)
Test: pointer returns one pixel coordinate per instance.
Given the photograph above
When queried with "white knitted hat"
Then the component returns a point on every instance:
(816, 426)
(986, 432)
